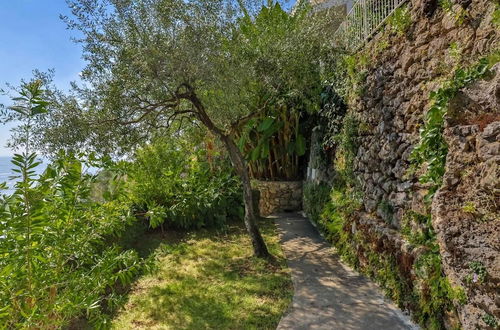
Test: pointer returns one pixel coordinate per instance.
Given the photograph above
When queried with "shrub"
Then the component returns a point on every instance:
(173, 183)
(339, 209)
(59, 256)
(315, 198)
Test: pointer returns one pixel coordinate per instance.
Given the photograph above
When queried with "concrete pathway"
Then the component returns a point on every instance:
(328, 294)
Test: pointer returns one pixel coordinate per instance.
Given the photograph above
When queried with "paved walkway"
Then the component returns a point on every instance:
(329, 295)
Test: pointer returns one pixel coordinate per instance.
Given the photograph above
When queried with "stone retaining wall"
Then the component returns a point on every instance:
(279, 196)
(402, 71)
(393, 106)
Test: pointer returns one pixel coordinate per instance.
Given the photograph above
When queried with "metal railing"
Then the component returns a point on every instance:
(363, 21)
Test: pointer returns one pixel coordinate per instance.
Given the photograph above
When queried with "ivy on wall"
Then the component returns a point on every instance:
(332, 114)
(431, 150)
(400, 20)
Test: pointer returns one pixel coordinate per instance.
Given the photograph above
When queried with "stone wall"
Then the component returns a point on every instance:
(279, 196)
(317, 170)
(465, 210)
(465, 217)
(402, 70)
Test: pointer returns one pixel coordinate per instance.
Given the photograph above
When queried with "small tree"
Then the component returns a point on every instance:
(153, 62)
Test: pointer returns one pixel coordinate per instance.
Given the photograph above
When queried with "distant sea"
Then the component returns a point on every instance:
(6, 172)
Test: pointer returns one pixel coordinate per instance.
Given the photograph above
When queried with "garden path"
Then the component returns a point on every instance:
(328, 294)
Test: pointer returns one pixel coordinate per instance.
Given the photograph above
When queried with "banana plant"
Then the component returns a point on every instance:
(273, 144)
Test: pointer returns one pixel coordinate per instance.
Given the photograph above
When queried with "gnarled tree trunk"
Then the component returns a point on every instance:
(259, 246)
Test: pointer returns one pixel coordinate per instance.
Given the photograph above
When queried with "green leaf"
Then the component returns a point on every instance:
(255, 154)
(19, 109)
(265, 150)
(265, 124)
(300, 145)
(38, 110)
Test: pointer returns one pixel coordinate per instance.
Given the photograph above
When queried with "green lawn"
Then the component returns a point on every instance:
(209, 280)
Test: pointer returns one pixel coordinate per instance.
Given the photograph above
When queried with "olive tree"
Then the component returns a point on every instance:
(154, 62)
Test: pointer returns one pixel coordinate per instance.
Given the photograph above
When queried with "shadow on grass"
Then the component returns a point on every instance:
(208, 279)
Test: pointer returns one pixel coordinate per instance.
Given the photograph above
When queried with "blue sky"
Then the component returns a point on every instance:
(33, 37)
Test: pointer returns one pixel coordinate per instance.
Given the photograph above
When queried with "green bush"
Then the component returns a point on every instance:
(341, 206)
(59, 256)
(315, 198)
(174, 184)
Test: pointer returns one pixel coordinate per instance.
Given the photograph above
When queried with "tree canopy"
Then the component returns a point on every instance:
(215, 63)
(143, 56)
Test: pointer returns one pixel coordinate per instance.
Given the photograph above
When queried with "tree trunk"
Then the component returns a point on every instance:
(259, 246)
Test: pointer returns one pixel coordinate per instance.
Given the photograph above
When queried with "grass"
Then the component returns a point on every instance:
(209, 280)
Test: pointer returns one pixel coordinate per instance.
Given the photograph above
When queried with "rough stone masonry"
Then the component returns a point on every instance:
(465, 210)
(279, 196)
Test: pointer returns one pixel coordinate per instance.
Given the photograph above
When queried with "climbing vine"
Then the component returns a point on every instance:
(432, 149)
(332, 114)
(347, 147)
(400, 20)
(357, 70)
